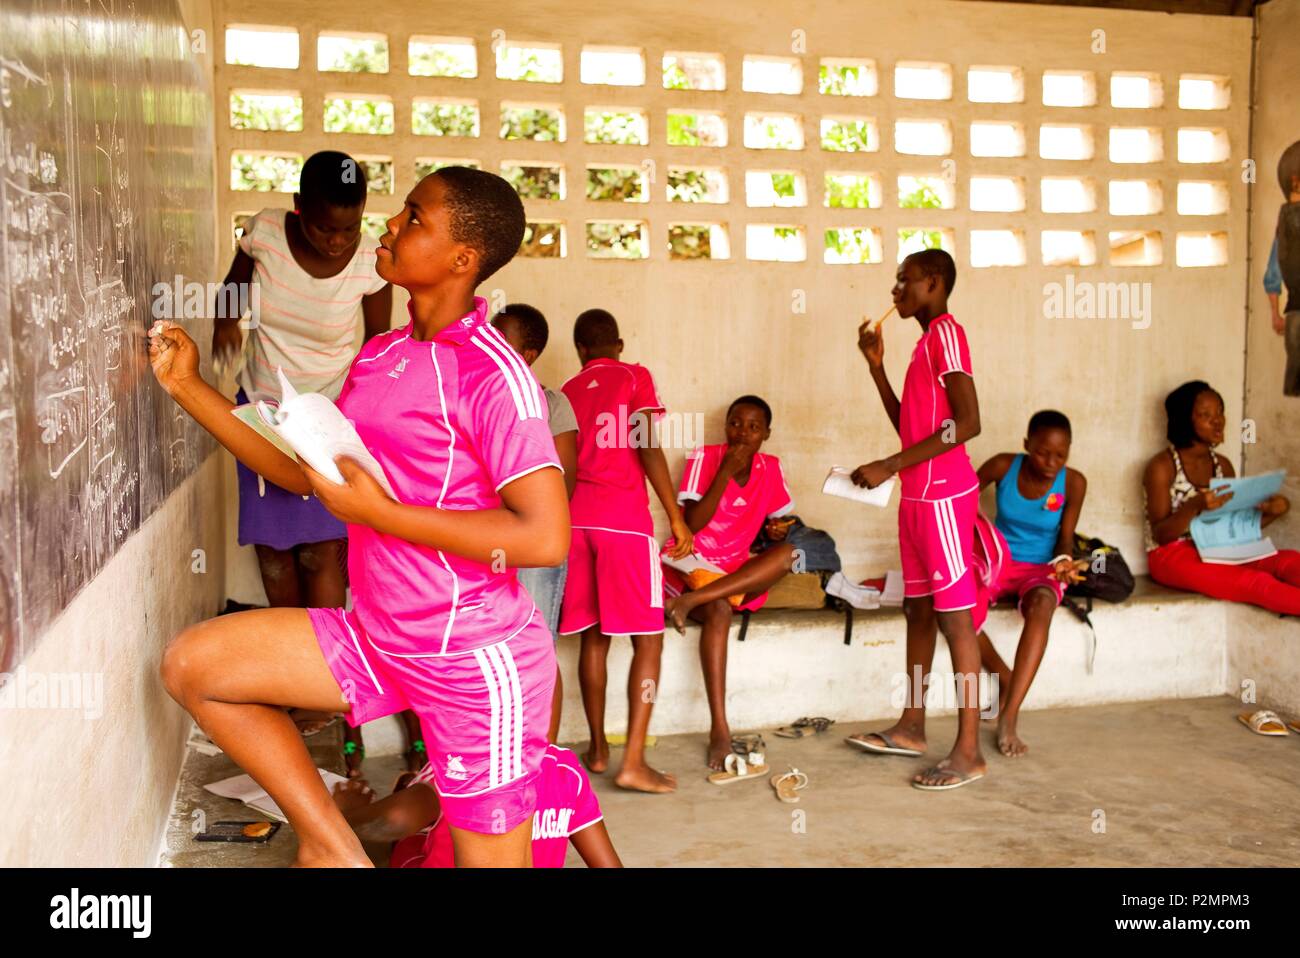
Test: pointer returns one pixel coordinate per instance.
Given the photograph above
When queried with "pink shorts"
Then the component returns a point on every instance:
(614, 581)
(935, 539)
(1019, 578)
(484, 713)
(675, 583)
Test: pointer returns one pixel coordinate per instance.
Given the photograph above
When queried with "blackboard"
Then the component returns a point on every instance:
(106, 190)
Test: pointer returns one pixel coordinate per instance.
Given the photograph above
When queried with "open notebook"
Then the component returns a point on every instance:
(1232, 534)
(243, 789)
(311, 427)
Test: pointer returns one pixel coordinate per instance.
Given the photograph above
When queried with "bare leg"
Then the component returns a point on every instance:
(642, 689)
(236, 675)
(965, 757)
(592, 678)
(757, 575)
(922, 634)
(279, 577)
(994, 665)
(320, 567)
(557, 704)
(716, 618)
(1038, 607)
(514, 849)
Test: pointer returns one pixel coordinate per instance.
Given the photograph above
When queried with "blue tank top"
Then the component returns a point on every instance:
(1030, 526)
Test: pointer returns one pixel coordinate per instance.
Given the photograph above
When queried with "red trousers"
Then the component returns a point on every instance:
(1272, 583)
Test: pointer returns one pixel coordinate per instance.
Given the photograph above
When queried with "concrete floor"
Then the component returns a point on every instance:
(1173, 783)
(1178, 782)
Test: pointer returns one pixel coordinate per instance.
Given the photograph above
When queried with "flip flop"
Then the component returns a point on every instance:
(1263, 722)
(740, 768)
(961, 780)
(889, 747)
(788, 784)
(802, 728)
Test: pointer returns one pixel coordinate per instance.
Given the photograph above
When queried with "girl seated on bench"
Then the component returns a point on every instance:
(1176, 487)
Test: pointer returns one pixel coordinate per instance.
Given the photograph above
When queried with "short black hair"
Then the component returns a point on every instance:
(333, 179)
(595, 328)
(1288, 168)
(532, 324)
(753, 401)
(1049, 419)
(1178, 412)
(936, 262)
(486, 214)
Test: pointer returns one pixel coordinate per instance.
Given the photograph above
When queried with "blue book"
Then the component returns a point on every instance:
(1232, 534)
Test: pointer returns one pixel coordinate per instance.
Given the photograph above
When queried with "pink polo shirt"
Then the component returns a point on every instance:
(742, 510)
(925, 410)
(452, 421)
(610, 491)
(566, 805)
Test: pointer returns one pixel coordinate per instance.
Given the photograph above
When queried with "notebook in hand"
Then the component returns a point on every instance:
(311, 427)
(839, 482)
(1232, 534)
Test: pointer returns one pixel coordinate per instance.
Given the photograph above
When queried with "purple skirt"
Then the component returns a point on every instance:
(279, 518)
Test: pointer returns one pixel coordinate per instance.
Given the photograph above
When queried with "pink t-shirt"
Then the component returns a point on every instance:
(566, 805)
(925, 410)
(742, 510)
(452, 421)
(610, 491)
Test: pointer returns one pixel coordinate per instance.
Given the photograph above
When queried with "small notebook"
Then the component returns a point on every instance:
(1232, 534)
(690, 563)
(839, 482)
(242, 788)
(311, 427)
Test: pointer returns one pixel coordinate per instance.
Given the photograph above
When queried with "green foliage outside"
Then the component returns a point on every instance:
(616, 240)
(689, 242)
(610, 127)
(530, 123)
(253, 112)
(358, 116)
(429, 118)
(263, 173)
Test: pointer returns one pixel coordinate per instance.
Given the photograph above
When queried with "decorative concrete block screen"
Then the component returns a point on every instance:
(741, 187)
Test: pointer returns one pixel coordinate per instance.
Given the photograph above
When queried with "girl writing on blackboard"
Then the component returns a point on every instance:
(440, 623)
(316, 289)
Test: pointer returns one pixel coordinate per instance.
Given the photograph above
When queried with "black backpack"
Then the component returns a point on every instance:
(1107, 576)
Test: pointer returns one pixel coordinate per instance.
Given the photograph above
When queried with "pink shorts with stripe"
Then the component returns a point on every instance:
(484, 713)
(935, 543)
(614, 581)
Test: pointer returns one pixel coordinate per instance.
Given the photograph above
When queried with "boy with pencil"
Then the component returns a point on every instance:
(938, 413)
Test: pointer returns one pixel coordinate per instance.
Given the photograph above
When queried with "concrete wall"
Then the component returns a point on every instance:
(713, 330)
(1276, 126)
(92, 786)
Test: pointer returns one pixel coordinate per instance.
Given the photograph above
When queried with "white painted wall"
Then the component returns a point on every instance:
(1277, 126)
(713, 330)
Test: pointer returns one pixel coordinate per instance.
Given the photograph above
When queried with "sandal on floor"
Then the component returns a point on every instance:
(802, 728)
(788, 784)
(1263, 722)
(962, 779)
(739, 768)
(889, 748)
(744, 744)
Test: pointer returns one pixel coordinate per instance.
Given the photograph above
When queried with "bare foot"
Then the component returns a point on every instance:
(903, 736)
(676, 611)
(1009, 743)
(952, 769)
(719, 749)
(596, 757)
(309, 859)
(353, 794)
(643, 778)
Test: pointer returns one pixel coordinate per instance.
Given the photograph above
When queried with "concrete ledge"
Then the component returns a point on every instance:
(1161, 644)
